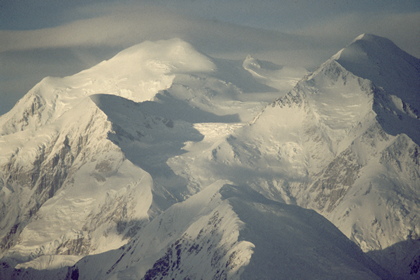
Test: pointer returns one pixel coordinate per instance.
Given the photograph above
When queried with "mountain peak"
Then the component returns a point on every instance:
(368, 46)
(371, 38)
(167, 56)
(389, 68)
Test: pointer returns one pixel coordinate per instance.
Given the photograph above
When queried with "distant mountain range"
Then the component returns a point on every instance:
(165, 163)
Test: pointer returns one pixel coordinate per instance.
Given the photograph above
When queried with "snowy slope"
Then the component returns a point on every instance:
(72, 183)
(231, 232)
(228, 232)
(62, 166)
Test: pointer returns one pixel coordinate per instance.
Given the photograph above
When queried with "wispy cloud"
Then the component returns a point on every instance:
(116, 25)
(402, 28)
(124, 28)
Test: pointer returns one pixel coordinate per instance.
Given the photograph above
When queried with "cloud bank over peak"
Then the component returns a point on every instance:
(122, 25)
(41, 38)
(124, 28)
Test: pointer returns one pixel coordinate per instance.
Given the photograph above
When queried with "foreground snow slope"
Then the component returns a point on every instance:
(228, 232)
(231, 232)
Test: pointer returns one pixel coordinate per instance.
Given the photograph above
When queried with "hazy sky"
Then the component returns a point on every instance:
(54, 37)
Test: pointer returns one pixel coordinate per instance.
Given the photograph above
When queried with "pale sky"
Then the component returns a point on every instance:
(41, 38)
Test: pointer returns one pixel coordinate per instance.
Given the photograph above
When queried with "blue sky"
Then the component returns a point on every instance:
(54, 37)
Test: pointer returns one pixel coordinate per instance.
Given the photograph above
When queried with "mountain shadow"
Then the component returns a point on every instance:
(172, 108)
(148, 138)
(395, 121)
(401, 259)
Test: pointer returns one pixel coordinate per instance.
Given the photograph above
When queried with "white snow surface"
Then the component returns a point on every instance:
(229, 232)
(187, 163)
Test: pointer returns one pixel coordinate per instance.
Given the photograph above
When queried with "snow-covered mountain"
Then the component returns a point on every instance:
(184, 161)
(344, 142)
(82, 158)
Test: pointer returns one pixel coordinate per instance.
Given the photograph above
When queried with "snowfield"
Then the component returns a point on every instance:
(165, 163)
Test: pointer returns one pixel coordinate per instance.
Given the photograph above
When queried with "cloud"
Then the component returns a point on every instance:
(21, 70)
(297, 34)
(125, 28)
(402, 28)
(122, 25)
